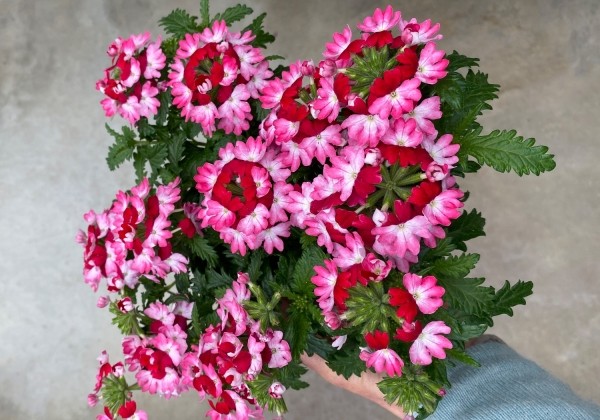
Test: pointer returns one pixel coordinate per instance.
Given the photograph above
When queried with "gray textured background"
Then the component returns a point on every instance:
(545, 54)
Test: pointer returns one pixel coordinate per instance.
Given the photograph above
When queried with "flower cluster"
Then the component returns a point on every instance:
(227, 357)
(113, 374)
(132, 238)
(326, 190)
(131, 82)
(245, 196)
(213, 76)
(233, 353)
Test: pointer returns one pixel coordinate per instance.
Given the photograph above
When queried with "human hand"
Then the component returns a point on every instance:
(364, 385)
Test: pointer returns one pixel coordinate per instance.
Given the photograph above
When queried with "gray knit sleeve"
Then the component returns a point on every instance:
(508, 386)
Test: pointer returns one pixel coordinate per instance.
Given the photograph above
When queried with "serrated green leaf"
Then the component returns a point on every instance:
(205, 13)
(182, 282)
(165, 101)
(509, 296)
(455, 266)
(290, 375)
(234, 14)
(216, 279)
(203, 249)
(461, 356)
(123, 147)
(255, 265)
(468, 295)
(414, 393)
(262, 38)
(319, 346)
(505, 151)
(139, 164)
(296, 332)
(176, 148)
(347, 364)
(469, 225)
(475, 94)
(304, 270)
(459, 61)
(145, 129)
(178, 23)
(260, 391)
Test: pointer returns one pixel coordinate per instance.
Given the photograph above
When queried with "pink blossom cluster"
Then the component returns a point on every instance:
(233, 353)
(133, 239)
(245, 196)
(131, 82)
(214, 75)
(226, 358)
(106, 370)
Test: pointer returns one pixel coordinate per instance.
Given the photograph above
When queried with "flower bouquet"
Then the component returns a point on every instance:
(293, 209)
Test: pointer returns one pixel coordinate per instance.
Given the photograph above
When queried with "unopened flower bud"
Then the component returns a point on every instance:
(92, 400)
(243, 278)
(276, 390)
(327, 68)
(118, 370)
(125, 305)
(332, 320)
(373, 157)
(442, 392)
(436, 172)
(339, 341)
(103, 301)
(223, 46)
(307, 68)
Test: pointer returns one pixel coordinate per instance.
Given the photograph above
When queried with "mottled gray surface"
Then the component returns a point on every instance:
(546, 56)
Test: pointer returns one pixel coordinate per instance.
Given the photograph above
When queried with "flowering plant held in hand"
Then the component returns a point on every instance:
(303, 208)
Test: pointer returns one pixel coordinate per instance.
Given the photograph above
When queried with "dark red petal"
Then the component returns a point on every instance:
(242, 362)
(128, 409)
(377, 340)
(411, 335)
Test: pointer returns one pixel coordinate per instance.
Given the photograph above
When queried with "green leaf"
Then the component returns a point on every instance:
(347, 364)
(505, 151)
(203, 249)
(509, 296)
(234, 14)
(454, 267)
(468, 295)
(155, 154)
(182, 282)
(123, 147)
(462, 357)
(139, 164)
(459, 61)
(260, 390)
(296, 332)
(205, 13)
(415, 393)
(176, 147)
(304, 270)
(216, 279)
(179, 22)
(468, 97)
(443, 248)
(254, 267)
(145, 129)
(165, 101)
(290, 375)
(468, 226)
(274, 57)
(319, 346)
(262, 38)
(127, 322)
